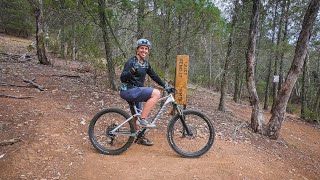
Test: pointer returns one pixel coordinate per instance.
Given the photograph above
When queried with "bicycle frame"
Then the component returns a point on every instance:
(169, 99)
(112, 131)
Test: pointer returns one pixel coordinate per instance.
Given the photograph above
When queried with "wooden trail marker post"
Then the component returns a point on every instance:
(181, 79)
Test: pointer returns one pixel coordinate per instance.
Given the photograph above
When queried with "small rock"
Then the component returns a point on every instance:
(22, 176)
(83, 121)
(68, 107)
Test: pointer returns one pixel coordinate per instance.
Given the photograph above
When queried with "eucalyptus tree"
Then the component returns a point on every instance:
(37, 7)
(65, 24)
(271, 54)
(310, 80)
(174, 23)
(104, 22)
(224, 79)
(304, 87)
(241, 43)
(104, 15)
(278, 115)
(284, 41)
(256, 119)
(140, 18)
(63, 8)
(277, 52)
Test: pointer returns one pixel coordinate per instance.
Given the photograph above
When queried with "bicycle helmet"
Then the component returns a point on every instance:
(143, 42)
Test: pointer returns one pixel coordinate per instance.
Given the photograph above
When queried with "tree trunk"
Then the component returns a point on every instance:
(316, 103)
(180, 47)
(316, 106)
(40, 36)
(208, 56)
(140, 19)
(256, 120)
(304, 88)
(276, 61)
(74, 44)
(284, 42)
(107, 45)
(237, 91)
(224, 79)
(168, 34)
(268, 81)
(278, 115)
(62, 21)
(269, 78)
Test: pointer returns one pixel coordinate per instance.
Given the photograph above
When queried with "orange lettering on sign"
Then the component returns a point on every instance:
(181, 80)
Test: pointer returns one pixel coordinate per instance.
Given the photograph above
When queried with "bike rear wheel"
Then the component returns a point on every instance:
(100, 129)
(198, 142)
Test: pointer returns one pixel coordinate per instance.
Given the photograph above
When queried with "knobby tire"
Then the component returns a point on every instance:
(107, 117)
(203, 134)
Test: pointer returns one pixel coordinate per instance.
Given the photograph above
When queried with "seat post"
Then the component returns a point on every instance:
(134, 106)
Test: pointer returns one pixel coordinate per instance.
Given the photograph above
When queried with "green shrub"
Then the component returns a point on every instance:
(293, 108)
(311, 116)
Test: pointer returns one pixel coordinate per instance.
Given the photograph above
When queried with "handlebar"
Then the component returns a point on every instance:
(169, 89)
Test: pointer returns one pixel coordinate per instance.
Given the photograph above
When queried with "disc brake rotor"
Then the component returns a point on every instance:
(110, 134)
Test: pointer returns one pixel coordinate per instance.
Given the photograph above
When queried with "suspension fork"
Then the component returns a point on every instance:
(182, 118)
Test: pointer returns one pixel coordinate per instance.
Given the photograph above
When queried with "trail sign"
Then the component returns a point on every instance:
(181, 79)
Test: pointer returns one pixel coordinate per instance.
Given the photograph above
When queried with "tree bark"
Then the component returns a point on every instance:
(180, 47)
(236, 95)
(40, 36)
(224, 79)
(168, 34)
(277, 55)
(140, 19)
(269, 78)
(74, 44)
(62, 21)
(256, 120)
(304, 88)
(316, 105)
(278, 115)
(107, 45)
(284, 42)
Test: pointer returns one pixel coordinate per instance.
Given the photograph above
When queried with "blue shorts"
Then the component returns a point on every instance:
(137, 94)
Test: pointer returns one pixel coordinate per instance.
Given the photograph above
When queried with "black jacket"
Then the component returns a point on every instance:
(137, 79)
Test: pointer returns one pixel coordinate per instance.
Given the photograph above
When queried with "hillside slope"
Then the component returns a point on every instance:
(52, 141)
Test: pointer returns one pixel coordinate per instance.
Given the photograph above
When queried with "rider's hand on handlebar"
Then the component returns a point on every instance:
(169, 89)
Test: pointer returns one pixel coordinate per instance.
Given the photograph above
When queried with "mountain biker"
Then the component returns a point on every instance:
(133, 90)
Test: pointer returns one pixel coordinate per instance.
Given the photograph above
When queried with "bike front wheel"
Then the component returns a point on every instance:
(199, 139)
(102, 126)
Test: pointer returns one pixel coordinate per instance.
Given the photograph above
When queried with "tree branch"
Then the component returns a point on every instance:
(16, 97)
(33, 84)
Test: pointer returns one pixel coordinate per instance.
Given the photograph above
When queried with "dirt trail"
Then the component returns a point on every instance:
(54, 143)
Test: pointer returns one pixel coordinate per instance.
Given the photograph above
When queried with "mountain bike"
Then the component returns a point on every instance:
(190, 133)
